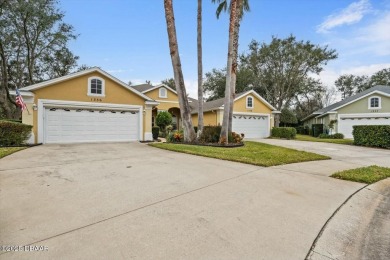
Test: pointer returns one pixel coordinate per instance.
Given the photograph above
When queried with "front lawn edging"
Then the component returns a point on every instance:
(228, 145)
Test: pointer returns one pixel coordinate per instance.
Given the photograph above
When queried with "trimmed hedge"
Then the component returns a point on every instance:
(12, 133)
(334, 136)
(155, 131)
(372, 135)
(210, 134)
(284, 132)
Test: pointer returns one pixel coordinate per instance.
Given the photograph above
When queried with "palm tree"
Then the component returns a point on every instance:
(242, 5)
(200, 69)
(229, 71)
(185, 111)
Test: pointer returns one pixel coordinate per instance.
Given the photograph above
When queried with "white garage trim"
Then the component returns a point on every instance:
(266, 130)
(344, 125)
(42, 103)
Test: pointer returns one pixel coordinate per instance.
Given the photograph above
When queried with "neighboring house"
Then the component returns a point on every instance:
(370, 107)
(252, 114)
(87, 106)
(167, 99)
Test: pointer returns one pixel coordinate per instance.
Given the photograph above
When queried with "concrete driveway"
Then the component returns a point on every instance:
(131, 201)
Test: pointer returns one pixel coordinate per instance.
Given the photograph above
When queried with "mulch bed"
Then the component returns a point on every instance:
(229, 145)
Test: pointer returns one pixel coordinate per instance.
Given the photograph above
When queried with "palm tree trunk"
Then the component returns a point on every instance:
(185, 111)
(200, 69)
(225, 121)
(234, 67)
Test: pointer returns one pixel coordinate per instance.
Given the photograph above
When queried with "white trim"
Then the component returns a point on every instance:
(379, 102)
(23, 93)
(258, 96)
(368, 94)
(152, 103)
(363, 115)
(246, 102)
(148, 136)
(167, 101)
(81, 73)
(159, 86)
(250, 114)
(42, 103)
(162, 96)
(103, 87)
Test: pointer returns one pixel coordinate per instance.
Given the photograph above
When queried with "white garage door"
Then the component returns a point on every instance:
(345, 124)
(252, 126)
(63, 125)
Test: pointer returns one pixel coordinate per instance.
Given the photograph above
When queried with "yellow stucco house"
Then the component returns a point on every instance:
(94, 106)
(252, 114)
(87, 106)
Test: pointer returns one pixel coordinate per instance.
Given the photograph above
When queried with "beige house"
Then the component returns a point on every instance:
(370, 107)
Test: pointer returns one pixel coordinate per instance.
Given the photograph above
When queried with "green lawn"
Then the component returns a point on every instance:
(368, 174)
(4, 151)
(251, 153)
(315, 139)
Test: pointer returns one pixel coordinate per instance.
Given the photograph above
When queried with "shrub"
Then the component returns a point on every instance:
(175, 137)
(155, 131)
(236, 138)
(163, 119)
(284, 132)
(12, 133)
(210, 134)
(338, 136)
(334, 136)
(372, 135)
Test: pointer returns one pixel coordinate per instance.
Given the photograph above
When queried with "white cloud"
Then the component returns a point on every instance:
(350, 15)
(192, 88)
(330, 75)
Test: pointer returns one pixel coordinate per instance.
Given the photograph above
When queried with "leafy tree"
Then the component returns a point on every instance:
(33, 45)
(282, 67)
(381, 77)
(349, 84)
(215, 82)
(170, 83)
(83, 67)
(163, 119)
(288, 117)
(185, 109)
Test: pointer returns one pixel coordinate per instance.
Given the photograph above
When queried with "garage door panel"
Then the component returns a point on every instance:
(71, 125)
(345, 124)
(251, 126)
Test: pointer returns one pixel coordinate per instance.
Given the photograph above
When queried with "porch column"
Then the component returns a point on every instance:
(148, 113)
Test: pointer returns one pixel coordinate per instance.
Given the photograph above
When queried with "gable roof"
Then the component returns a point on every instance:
(380, 89)
(144, 88)
(218, 103)
(81, 73)
(385, 90)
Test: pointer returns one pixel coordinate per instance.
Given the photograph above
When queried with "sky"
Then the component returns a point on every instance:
(128, 38)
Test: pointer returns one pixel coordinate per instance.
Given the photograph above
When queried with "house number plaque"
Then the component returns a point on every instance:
(97, 99)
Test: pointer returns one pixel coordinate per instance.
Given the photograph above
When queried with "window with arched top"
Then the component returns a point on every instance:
(96, 87)
(249, 102)
(162, 93)
(374, 103)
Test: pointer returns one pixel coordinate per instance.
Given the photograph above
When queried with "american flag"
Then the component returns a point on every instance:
(19, 100)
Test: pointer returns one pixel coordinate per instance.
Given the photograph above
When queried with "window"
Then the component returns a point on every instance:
(96, 87)
(374, 102)
(249, 102)
(162, 93)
